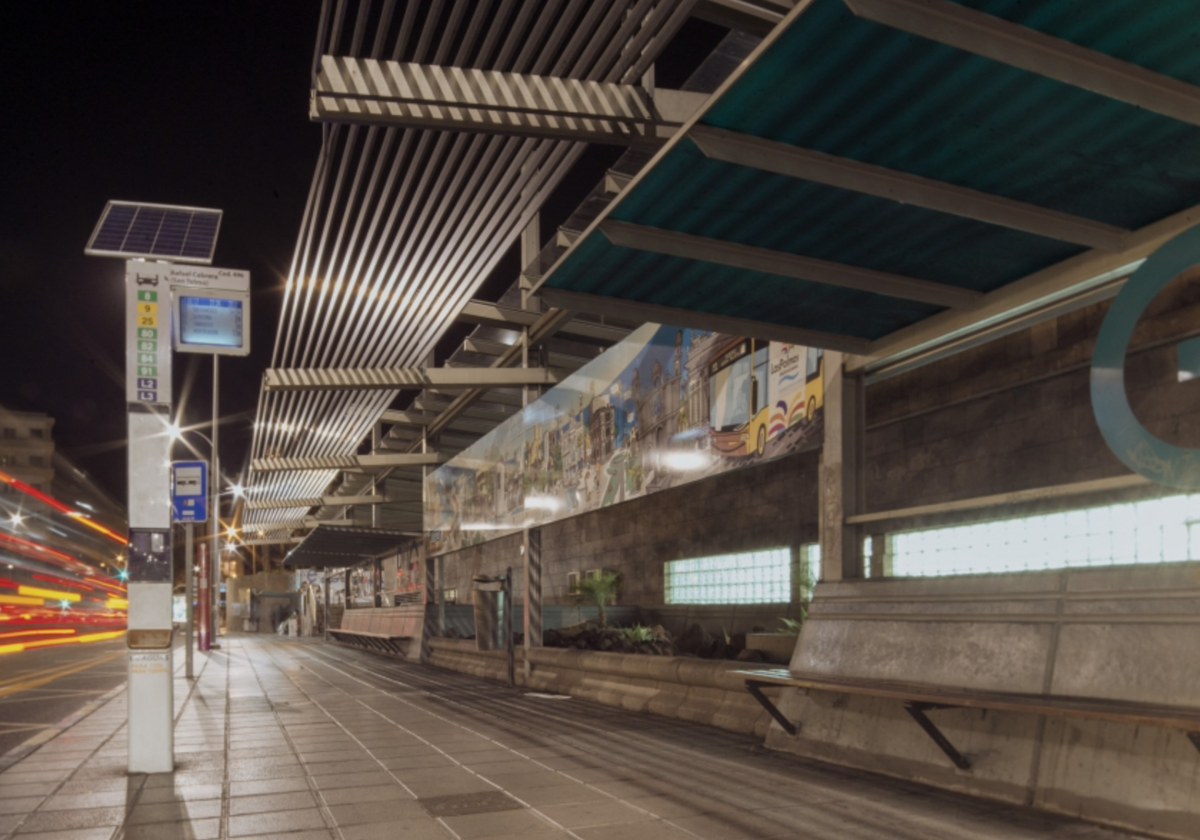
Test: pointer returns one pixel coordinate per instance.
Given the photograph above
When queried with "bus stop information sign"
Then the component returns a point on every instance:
(189, 491)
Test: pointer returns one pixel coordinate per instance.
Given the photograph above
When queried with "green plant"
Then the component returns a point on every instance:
(792, 625)
(638, 633)
(599, 591)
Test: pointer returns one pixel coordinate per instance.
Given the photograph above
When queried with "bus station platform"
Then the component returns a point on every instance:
(299, 739)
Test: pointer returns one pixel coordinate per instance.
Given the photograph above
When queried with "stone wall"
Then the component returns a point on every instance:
(1016, 413)
(770, 505)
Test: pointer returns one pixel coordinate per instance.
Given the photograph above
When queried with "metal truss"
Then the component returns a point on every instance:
(341, 462)
(368, 92)
(390, 379)
(403, 224)
(317, 501)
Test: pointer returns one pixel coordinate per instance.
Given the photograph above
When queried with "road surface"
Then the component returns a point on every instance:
(40, 687)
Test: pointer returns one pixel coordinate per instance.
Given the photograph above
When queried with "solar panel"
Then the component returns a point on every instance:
(155, 231)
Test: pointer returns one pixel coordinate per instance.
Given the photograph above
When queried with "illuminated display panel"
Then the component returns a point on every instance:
(212, 322)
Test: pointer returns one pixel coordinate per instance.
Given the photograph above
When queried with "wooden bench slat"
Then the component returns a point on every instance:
(1113, 711)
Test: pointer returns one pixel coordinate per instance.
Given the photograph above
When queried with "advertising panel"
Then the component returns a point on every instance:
(662, 408)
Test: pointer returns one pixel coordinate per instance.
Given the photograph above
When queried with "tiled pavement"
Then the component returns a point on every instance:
(303, 740)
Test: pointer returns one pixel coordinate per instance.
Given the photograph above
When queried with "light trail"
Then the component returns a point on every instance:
(17, 647)
(47, 499)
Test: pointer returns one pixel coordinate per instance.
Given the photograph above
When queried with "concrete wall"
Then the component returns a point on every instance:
(1016, 413)
(768, 505)
(698, 690)
(1123, 634)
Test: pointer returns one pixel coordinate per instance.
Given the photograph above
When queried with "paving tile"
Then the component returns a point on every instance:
(209, 829)
(258, 772)
(585, 814)
(258, 787)
(67, 802)
(343, 780)
(271, 802)
(22, 805)
(357, 813)
(424, 829)
(654, 830)
(375, 793)
(558, 795)
(528, 779)
(256, 825)
(416, 762)
(160, 812)
(522, 823)
(60, 820)
(96, 833)
(172, 794)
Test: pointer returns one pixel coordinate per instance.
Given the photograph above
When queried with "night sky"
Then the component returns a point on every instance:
(193, 103)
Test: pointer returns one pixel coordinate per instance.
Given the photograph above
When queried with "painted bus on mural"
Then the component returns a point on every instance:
(757, 391)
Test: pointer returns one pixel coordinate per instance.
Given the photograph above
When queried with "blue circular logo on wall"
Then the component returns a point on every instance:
(1141, 451)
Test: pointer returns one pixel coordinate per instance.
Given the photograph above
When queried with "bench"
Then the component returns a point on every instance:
(372, 641)
(917, 699)
(380, 629)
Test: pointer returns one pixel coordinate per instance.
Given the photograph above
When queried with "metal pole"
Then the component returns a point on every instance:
(215, 573)
(507, 626)
(190, 590)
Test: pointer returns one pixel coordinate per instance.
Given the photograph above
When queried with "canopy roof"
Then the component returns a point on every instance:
(1075, 185)
(335, 545)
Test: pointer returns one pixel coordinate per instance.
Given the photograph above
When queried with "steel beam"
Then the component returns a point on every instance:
(314, 501)
(1071, 277)
(273, 541)
(821, 168)
(370, 92)
(388, 379)
(654, 313)
(344, 462)
(510, 317)
(754, 18)
(688, 246)
(1018, 46)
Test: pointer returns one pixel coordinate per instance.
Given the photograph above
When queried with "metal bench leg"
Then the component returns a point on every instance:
(1194, 737)
(917, 711)
(754, 690)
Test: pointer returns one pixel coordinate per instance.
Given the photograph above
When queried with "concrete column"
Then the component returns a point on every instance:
(841, 482)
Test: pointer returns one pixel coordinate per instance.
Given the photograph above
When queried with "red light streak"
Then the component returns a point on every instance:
(60, 507)
(34, 550)
(62, 582)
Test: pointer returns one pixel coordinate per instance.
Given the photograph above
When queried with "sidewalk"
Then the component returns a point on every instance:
(303, 740)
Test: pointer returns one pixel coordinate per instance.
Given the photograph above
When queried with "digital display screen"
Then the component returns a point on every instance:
(210, 321)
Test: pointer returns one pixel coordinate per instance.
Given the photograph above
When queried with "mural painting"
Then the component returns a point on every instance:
(409, 586)
(664, 407)
(362, 586)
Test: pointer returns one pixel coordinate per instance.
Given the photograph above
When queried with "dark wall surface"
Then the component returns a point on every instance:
(1012, 414)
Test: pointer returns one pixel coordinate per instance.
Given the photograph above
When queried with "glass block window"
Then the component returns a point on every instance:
(756, 577)
(1154, 531)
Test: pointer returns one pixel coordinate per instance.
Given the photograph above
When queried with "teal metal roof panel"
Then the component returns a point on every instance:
(599, 268)
(690, 193)
(846, 86)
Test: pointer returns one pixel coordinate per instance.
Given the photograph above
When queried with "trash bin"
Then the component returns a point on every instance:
(489, 613)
